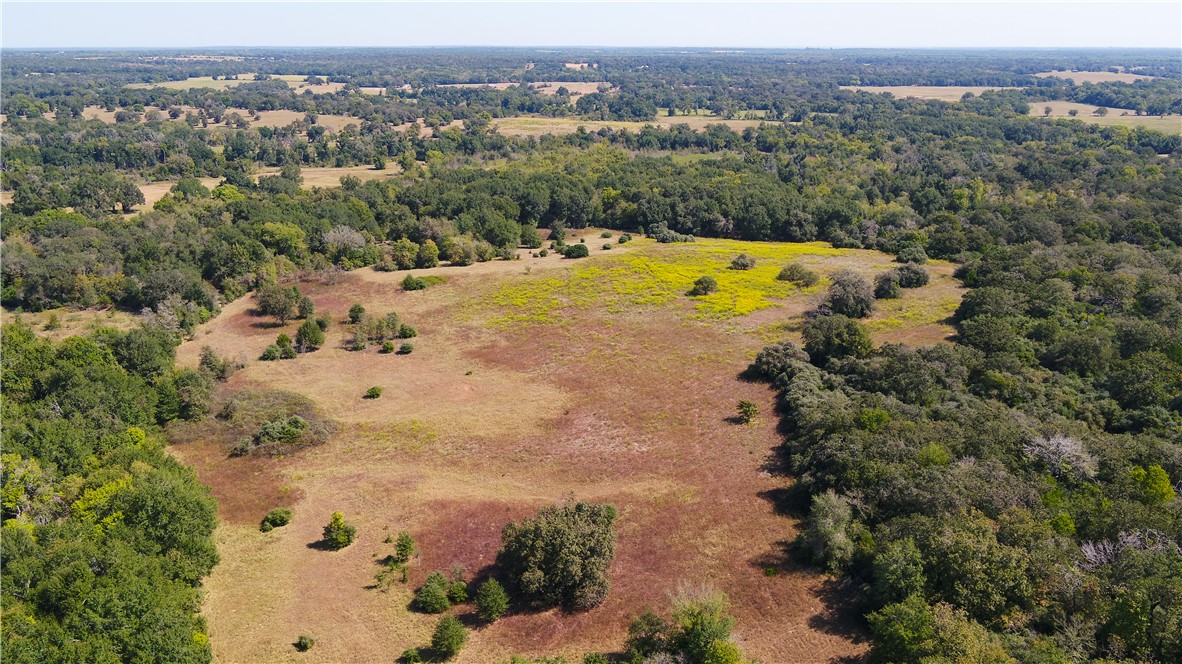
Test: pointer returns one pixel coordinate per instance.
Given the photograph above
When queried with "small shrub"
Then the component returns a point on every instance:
(457, 592)
(625, 238)
(355, 313)
(52, 323)
(543, 253)
(595, 658)
(404, 547)
(704, 286)
(799, 275)
(743, 262)
(276, 518)
(309, 337)
(607, 246)
(605, 234)
(287, 353)
(271, 353)
(912, 276)
(411, 656)
(432, 597)
(387, 346)
(283, 341)
(306, 308)
(582, 240)
(411, 283)
(339, 533)
(407, 332)
(406, 348)
(491, 600)
(886, 285)
(449, 637)
(576, 251)
(373, 392)
(912, 253)
(748, 411)
(304, 643)
(323, 321)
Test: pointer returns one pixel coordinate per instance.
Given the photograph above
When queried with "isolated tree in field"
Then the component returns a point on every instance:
(355, 313)
(449, 637)
(339, 533)
(748, 411)
(275, 300)
(704, 286)
(491, 600)
(849, 295)
(309, 337)
(799, 275)
(404, 547)
(742, 262)
(1046, 111)
(1100, 112)
(561, 556)
(700, 619)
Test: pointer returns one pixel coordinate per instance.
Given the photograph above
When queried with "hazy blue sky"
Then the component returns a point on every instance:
(722, 24)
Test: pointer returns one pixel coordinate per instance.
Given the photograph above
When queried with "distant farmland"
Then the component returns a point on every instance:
(939, 92)
(1094, 76)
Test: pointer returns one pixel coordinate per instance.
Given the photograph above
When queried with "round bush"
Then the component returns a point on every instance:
(799, 275)
(912, 276)
(576, 251)
(850, 295)
(886, 285)
(491, 600)
(743, 262)
(339, 533)
(912, 253)
(704, 286)
(432, 597)
(449, 637)
(373, 392)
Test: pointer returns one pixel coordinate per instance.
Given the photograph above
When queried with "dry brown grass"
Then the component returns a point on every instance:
(71, 322)
(483, 424)
(538, 126)
(1117, 117)
(1079, 77)
(940, 92)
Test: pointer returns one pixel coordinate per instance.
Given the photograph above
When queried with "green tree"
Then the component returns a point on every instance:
(432, 597)
(309, 337)
(704, 285)
(849, 295)
(338, 533)
(537, 554)
(491, 600)
(428, 254)
(449, 637)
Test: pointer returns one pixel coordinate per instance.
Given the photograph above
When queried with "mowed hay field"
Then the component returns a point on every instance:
(538, 126)
(939, 92)
(1170, 124)
(531, 381)
(1079, 77)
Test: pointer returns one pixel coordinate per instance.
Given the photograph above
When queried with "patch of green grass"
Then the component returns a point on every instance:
(911, 312)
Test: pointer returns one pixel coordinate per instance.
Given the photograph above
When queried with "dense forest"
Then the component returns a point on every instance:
(1008, 497)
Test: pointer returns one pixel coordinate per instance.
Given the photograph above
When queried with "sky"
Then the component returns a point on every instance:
(883, 23)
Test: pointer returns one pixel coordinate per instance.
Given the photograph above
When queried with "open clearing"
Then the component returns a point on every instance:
(1079, 77)
(1117, 117)
(940, 92)
(533, 380)
(538, 126)
(71, 322)
(295, 81)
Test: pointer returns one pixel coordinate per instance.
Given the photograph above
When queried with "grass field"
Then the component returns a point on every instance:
(536, 126)
(1170, 124)
(531, 380)
(295, 81)
(71, 322)
(1079, 77)
(940, 92)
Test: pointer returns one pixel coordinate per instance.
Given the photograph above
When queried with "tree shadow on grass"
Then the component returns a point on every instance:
(321, 545)
(842, 614)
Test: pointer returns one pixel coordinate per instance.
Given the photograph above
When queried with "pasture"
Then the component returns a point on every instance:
(538, 126)
(938, 92)
(1117, 117)
(1080, 77)
(531, 380)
